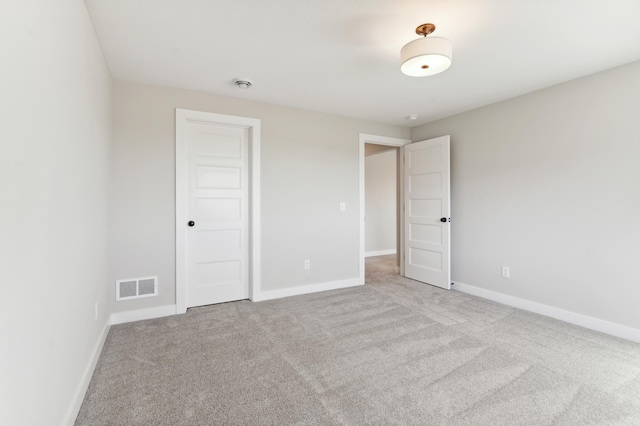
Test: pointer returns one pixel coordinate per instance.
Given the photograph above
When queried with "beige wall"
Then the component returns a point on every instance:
(548, 184)
(55, 113)
(309, 165)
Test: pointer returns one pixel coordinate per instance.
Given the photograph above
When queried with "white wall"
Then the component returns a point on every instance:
(309, 165)
(380, 203)
(55, 119)
(549, 184)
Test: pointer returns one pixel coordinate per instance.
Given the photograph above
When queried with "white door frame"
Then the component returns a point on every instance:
(184, 116)
(379, 140)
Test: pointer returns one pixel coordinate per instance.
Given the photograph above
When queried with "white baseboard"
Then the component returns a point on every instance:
(592, 323)
(85, 379)
(379, 253)
(306, 289)
(142, 314)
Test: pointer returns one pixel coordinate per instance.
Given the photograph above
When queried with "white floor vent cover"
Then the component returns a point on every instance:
(136, 288)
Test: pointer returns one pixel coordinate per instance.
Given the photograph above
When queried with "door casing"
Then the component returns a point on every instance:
(183, 117)
(378, 140)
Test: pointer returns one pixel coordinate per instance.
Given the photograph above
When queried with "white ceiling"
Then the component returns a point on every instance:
(342, 56)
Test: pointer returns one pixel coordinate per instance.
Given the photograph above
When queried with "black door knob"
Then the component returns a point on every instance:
(191, 223)
(443, 219)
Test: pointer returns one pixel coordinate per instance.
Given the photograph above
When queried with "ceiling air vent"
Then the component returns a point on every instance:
(136, 288)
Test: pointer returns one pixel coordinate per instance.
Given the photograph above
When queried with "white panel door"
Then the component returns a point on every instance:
(217, 212)
(426, 212)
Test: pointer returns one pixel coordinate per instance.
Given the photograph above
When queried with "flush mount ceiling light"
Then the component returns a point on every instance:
(425, 56)
(243, 83)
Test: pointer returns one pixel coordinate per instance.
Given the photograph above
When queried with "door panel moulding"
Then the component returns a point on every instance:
(183, 118)
(427, 212)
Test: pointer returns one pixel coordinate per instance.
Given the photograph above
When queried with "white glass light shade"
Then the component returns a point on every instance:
(426, 56)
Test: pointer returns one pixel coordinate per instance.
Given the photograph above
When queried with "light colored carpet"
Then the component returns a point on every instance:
(392, 352)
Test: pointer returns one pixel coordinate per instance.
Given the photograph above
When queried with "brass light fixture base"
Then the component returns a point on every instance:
(425, 29)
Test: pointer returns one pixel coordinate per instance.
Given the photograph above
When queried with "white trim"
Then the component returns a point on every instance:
(378, 140)
(401, 254)
(383, 140)
(143, 314)
(255, 253)
(306, 289)
(253, 126)
(85, 379)
(181, 194)
(591, 323)
(379, 253)
(361, 231)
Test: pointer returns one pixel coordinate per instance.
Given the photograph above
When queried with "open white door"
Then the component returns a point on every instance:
(426, 212)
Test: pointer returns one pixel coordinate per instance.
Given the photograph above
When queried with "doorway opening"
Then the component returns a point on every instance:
(382, 199)
(380, 202)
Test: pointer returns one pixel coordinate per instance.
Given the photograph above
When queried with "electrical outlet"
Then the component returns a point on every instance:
(307, 264)
(96, 312)
(505, 272)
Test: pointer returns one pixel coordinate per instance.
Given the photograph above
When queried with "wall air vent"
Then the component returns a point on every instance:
(136, 288)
